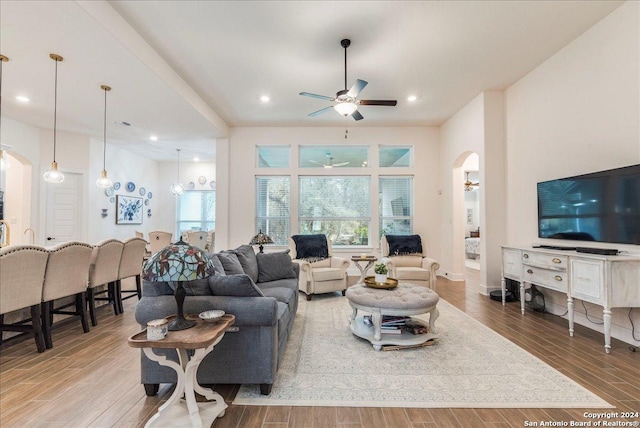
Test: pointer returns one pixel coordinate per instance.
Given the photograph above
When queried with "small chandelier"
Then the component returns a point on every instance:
(345, 108)
(177, 189)
(103, 181)
(53, 175)
(4, 164)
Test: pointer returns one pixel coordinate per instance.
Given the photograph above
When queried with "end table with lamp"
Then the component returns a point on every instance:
(261, 239)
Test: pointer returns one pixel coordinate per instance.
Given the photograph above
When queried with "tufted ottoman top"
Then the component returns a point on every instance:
(404, 296)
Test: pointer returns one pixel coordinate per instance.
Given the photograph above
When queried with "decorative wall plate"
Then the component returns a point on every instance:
(142, 191)
(202, 180)
(116, 185)
(146, 201)
(191, 185)
(112, 200)
(149, 195)
(131, 186)
(213, 185)
(108, 191)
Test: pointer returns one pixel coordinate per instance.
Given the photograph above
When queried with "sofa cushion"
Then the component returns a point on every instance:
(233, 285)
(274, 266)
(230, 263)
(284, 295)
(247, 258)
(407, 261)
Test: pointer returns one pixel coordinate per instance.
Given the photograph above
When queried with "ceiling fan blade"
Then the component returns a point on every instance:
(356, 115)
(322, 97)
(356, 88)
(315, 113)
(389, 103)
(340, 164)
(317, 163)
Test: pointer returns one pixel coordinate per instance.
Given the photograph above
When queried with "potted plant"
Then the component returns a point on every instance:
(380, 270)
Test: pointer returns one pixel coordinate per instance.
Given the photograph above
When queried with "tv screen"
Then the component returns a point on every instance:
(602, 206)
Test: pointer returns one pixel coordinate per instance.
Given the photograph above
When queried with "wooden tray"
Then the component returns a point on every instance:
(369, 281)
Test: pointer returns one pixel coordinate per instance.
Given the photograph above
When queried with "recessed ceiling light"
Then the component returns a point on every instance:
(265, 99)
(153, 138)
(412, 98)
(196, 159)
(22, 99)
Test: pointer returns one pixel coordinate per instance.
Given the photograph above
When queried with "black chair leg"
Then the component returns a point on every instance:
(92, 306)
(37, 328)
(119, 296)
(46, 324)
(81, 304)
(139, 286)
(112, 296)
(1, 322)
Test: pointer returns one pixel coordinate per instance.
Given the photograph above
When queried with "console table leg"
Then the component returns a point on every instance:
(503, 288)
(570, 313)
(522, 297)
(607, 330)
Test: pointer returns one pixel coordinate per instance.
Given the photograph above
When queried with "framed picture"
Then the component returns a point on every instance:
(469, 215)
(128, 209)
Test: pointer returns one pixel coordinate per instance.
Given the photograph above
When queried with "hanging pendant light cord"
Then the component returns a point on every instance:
(55, 111)
(104, 136)
(178, 165)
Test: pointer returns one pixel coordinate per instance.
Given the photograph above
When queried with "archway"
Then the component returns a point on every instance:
(16, 183)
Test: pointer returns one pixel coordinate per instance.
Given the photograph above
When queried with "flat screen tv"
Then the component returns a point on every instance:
(601, 207)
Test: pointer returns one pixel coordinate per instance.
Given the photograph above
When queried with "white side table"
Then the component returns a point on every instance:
(370, 260)
(201, 338)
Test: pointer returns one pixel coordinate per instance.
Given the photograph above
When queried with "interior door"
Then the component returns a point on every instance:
(64, 210)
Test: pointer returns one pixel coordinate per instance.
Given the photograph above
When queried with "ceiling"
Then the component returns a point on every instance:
(186, 71)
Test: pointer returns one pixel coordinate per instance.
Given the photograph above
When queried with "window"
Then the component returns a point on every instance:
(273, 156)
(396, 205)
(334, 156)
(395, 156)
(196, 210)
(339, 207)
(272, 207)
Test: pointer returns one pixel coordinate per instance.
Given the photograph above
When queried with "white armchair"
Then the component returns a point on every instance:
(323, 276)
(414, 268)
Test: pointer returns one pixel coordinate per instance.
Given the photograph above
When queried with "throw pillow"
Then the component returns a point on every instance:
(311, 248)
(233, 285)
(247, 257)
(217, 263)
(404, 244)
(230, 263)
(274, 266)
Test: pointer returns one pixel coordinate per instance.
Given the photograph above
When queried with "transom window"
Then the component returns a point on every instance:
(338, 207)
(395, 156)
(273, 156)
(334, 157)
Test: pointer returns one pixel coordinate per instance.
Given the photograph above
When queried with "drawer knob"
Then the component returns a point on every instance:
(526, 256)
(556, 260)
(558, 278)
(529, 271)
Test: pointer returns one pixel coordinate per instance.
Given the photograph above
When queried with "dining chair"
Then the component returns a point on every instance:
(197, 238)
(105, 264)
(133, 253)
(158, 240)
(22, 270)
(66, 275)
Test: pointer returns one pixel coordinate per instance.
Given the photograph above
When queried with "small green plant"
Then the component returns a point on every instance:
(380, 268)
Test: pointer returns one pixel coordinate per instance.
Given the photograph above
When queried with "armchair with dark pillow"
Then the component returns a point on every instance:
(261, 291)
(406, 260)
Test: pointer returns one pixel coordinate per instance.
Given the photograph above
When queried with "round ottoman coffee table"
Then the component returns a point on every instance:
(405, 300)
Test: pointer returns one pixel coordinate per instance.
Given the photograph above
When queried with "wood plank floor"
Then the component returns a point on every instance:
(92, 380)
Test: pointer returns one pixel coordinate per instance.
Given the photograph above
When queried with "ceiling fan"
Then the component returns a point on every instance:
(347, 101)
(468, 185)
(329, 163)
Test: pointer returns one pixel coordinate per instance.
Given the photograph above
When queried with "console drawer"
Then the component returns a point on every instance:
(549, 261)
(555, 280)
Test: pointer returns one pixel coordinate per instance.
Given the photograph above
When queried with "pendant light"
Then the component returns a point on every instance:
(103, 181)
(4, 164)
(53, 175)
(177, 189)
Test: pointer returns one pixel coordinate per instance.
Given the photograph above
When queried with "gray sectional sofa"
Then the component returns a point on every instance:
(261, 290)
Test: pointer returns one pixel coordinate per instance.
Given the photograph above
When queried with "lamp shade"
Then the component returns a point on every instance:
(346, 108)
(260, 239)
(177, 263)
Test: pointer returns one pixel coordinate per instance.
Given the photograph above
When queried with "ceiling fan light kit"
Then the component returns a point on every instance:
(347, 99)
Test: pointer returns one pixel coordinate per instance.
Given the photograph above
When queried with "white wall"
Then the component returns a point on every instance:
(242, 172)
(578, 112)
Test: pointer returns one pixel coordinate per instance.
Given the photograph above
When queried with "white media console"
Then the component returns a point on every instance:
(608, 281)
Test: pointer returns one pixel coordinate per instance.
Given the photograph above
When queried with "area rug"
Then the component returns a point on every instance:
(469, 366)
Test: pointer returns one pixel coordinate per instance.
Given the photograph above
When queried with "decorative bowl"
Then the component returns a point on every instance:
(212, 315)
